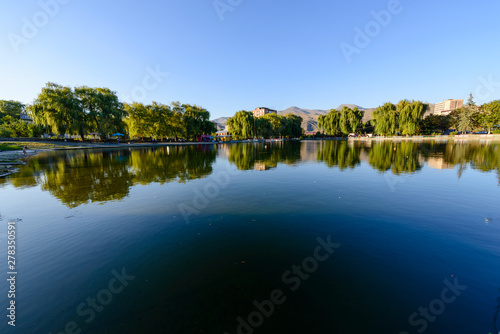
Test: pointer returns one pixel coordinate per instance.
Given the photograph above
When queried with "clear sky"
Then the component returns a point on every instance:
(252, 53)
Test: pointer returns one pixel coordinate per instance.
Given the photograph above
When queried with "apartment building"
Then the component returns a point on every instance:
(263, 111)
(446, 107)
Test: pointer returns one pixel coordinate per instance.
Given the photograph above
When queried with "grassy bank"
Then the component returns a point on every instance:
(10, 147)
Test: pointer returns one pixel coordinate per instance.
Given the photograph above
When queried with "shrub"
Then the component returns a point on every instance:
(5, 132)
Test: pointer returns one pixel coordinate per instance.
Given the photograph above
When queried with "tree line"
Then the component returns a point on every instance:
(244, 125)
(10, 121)
(162, 121)
(83, 111)
(341, 122)
(473, 117)
(407, 118)
(404, 117)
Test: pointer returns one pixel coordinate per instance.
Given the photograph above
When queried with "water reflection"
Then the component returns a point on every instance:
(264, 156)
(401, 157)
(78, 177)
(340, 154)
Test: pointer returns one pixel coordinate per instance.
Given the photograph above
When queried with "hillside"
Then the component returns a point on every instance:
(221, 123)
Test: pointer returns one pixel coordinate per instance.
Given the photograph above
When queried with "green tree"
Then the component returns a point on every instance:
(436, 123)
(263, 127)
(350, 119)
(490, 115)
(470, 101)
(17, 128)
(58, 109)
(386, 119)
(467, 119)
(138, 121)
(104, 112)
(242, 124)
(176, 125)
(162, 117)
(410, 116)
(11, 108)
(196, 121)
(293, 126)
(330, 123)
(276, 126)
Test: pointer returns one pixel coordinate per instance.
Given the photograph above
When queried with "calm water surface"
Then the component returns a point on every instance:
(311, 237)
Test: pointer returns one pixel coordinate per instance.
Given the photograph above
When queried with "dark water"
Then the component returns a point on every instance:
(313, 237)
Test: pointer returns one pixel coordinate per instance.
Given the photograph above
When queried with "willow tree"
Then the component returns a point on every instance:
(177, 126)
(103, 109)
(138, 121)
(242, 124)
(386, 119)
(350, 119)
(196, 121)
(163, 120)
(58, 109)
(330, 123)
(410, 116)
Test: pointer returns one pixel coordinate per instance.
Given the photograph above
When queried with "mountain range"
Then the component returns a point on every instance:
(309, 116)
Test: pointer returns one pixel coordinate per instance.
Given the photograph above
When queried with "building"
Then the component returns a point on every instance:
(26, 118)
(224, 135)
(446, 107)
(439, 163)
(263, 111)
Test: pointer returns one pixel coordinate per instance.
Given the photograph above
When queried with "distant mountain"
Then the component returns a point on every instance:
(309, 116)
(221, 123)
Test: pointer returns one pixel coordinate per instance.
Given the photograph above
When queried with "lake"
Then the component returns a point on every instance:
(292, 237)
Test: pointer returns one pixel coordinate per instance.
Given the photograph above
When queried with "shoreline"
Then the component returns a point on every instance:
(11, 160)
(455, 138)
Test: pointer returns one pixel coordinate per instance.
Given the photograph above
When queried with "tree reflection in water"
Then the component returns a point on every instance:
(264, 156)
(78, 177)
(340, 154)
(86, 176)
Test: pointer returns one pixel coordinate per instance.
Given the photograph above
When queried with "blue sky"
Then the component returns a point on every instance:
(262, 53)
